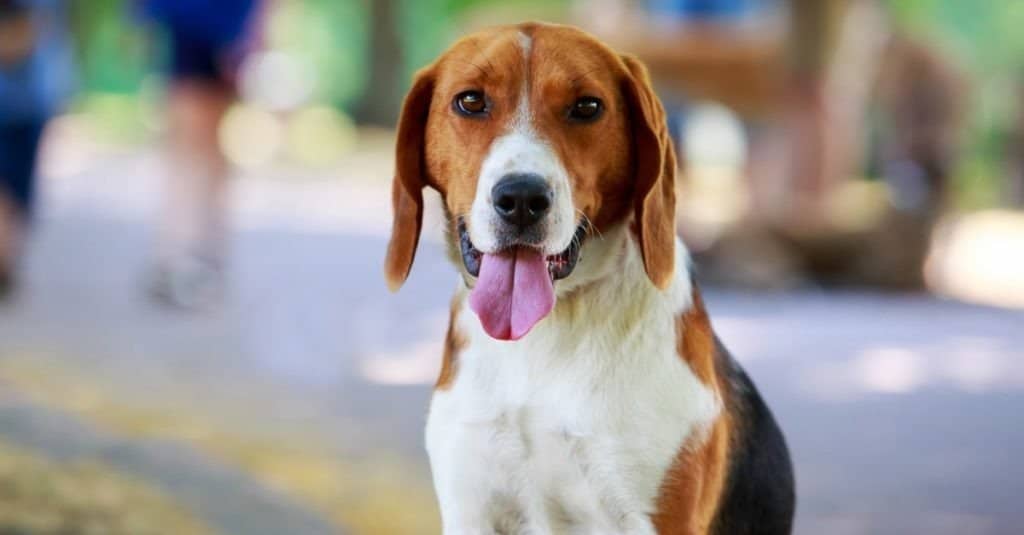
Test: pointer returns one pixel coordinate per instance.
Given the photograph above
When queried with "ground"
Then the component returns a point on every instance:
(298, 405)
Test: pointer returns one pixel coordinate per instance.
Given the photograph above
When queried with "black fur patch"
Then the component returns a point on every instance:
(759, 496)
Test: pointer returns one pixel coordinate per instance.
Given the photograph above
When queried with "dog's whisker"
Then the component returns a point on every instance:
(590, 228)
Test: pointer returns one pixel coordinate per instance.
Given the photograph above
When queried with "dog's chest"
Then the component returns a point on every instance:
(556, 474)
(544, 440)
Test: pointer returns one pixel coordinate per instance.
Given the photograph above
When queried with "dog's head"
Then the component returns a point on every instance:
(535, 136)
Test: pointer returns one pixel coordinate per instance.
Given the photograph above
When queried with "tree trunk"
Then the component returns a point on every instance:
(380, 102)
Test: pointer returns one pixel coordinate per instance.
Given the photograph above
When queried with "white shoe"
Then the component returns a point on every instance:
(191, 283)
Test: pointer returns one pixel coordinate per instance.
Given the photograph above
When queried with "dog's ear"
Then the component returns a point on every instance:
(409, 181)
(654, 167)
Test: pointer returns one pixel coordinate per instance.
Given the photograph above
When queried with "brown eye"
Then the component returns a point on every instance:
(586, 109)
(471, 103)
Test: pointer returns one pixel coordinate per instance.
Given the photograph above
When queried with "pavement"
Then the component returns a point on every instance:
(297, 406)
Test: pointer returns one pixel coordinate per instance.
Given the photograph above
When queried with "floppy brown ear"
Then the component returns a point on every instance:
(654, 163)
(409, 181)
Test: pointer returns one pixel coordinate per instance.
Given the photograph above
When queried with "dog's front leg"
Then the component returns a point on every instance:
(462, 493)
(471, 460)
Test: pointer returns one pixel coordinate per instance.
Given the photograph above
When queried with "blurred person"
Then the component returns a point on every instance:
(723, 51)
(807, 77)
(719, 20)
(35, 76)
(706, 11)
(208, 41)
(798, 193)
(817, 155)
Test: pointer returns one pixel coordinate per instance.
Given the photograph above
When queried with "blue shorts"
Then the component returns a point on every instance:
(197, 59)
(204, 35)
(705, 10)
(19, 152)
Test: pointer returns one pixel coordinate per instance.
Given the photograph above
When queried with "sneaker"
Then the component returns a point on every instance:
(190, 284)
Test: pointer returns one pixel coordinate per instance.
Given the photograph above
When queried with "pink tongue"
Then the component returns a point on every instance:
(512, 293)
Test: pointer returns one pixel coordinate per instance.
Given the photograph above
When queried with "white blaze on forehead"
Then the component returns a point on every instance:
(522, 150)
(524, 115)
(526, 43)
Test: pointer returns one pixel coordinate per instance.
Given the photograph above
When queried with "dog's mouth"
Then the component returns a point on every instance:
(515, 285)
(559, 266)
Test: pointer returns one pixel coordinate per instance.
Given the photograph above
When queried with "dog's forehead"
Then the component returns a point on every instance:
(566, 51)
(504, 55)
(492, 55)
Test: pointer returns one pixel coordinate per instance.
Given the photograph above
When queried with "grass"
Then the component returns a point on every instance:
(43, 497)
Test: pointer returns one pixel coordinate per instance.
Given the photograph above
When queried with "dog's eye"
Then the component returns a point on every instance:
(586, 109)
(471, 103)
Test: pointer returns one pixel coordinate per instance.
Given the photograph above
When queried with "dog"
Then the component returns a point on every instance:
(582, 389)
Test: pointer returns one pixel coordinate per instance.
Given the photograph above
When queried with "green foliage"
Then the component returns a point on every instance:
(985, 39)
(424, 28)
(987, 33)
(113, 50)
(331, 36)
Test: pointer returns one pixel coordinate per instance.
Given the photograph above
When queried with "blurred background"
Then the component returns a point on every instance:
(195, 336)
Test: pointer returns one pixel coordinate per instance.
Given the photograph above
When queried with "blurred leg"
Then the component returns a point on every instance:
(9, 237)
(814, 25)
(192, 223)
(195, 187)
(19, 150)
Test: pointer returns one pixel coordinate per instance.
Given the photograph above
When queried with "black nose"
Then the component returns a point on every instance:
(521, 199)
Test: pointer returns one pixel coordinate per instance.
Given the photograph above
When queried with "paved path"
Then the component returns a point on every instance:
(228, 500)
(903, 412)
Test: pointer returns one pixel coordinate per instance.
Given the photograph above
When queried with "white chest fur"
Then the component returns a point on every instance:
(572, 428)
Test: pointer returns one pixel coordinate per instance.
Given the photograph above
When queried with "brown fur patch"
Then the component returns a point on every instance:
(692, 488)
(695, 341)
(454, 343)
(693, 485)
